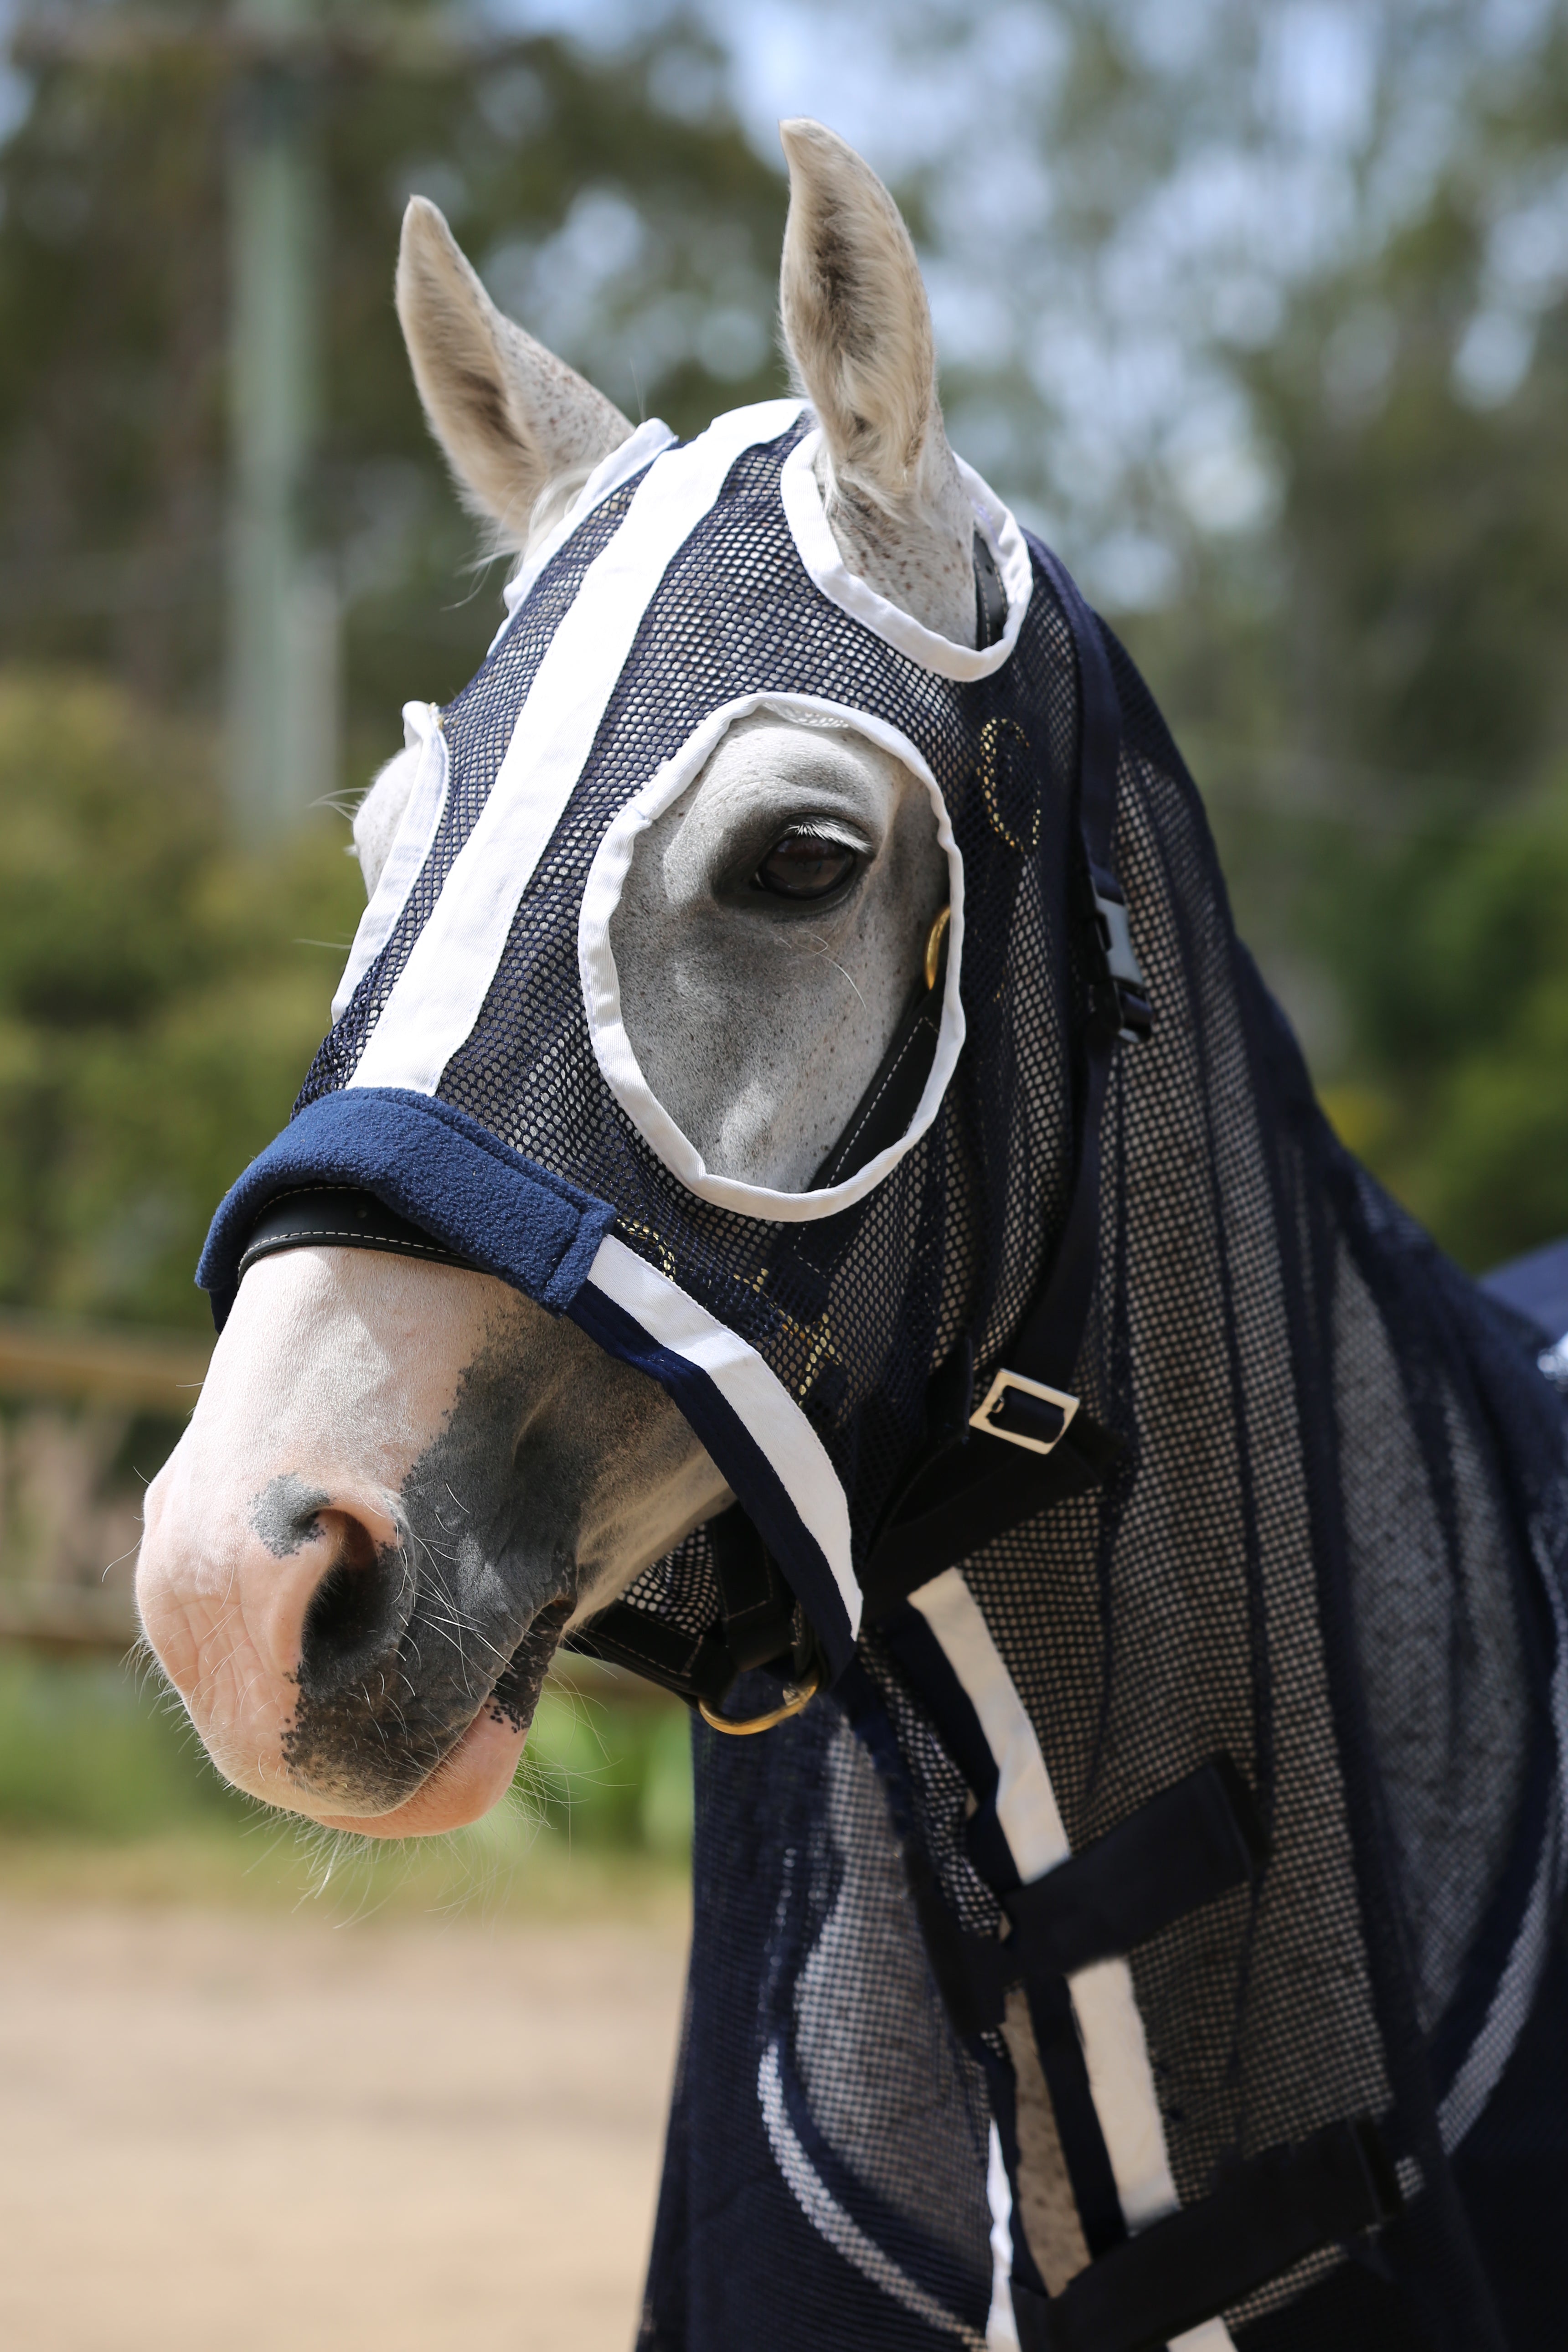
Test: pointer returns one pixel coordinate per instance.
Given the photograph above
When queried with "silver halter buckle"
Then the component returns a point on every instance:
(997, 1397)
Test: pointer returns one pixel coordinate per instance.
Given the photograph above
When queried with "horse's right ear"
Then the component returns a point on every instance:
(512, 420)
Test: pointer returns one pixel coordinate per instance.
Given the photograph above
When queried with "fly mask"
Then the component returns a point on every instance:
(1219, 1788)
(480, 1084)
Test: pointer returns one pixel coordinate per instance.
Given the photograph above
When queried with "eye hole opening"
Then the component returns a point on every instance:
(806, 864)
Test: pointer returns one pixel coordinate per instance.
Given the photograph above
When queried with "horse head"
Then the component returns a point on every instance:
(405, 1477)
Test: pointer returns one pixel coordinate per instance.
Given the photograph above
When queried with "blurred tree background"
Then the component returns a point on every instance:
(1262, 315)
(161, 988)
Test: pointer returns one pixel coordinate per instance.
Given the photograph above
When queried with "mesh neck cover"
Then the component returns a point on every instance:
(1332, 1551)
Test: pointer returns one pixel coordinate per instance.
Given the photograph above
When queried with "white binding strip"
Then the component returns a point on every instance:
(753, 1392)
(1120, 2079)
(818, 551)
(841, 2229)
(608, 476)
(613, 1048)
(1514, 1994)
(425, 753)
(1001, 2325)
(1026, 1801)
(438, 995)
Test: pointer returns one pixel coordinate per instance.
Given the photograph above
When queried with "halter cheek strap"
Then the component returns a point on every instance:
(960, 1497)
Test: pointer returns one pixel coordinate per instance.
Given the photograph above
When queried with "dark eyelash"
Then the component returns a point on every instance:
(803, 864)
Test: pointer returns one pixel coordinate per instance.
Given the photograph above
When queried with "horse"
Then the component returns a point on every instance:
(806, 1194)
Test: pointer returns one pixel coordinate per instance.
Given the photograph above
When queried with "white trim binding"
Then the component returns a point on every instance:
(441, 990)
(819, 551)
(1515, 1993)
(841, 2229)
(1513, 1997)
(753, 1392)
(425, 745)
(613, 1049)
(1120, 2079)
(1001, 2325)
(649, 441)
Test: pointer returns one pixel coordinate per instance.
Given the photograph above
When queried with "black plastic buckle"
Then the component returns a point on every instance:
(1123, 967)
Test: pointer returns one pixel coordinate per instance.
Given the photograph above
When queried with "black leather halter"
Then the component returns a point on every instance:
(335, 1217)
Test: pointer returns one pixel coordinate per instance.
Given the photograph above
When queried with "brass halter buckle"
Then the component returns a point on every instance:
(996, 1401)
(796, 1696)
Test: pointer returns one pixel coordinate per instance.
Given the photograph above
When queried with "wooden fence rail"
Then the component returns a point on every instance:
(146, 1371)
(101, 1372)
(71, 1396)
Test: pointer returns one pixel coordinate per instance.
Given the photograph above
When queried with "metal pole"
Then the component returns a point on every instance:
(283, 619)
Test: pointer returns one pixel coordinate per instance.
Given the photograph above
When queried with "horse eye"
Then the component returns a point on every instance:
(804, 866)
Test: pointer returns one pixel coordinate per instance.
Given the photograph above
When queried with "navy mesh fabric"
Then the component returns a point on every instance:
(815, 2060)
(490, 706)
(1335, 1547)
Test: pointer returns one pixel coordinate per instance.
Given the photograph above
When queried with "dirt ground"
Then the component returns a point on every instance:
(262, 2133)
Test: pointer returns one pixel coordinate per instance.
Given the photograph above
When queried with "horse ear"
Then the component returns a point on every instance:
(858, 331)
(511, 418)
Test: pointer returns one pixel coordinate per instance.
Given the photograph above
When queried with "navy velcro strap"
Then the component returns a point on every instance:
(693, 1667)
(1189, 1844)
(964, 1496)
(756, 1627)
(1261, 2218)
(756, 1606)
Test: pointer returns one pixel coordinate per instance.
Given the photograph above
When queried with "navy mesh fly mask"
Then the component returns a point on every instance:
(478, 1078)
(1147, 1938)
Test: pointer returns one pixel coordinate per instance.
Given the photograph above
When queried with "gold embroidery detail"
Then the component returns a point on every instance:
(991, 735)
(665, 1255)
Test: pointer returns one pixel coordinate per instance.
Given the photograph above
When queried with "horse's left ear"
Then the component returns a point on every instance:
(857, 331)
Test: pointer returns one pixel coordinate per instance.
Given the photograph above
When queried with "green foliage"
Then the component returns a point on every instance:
(1427, 525)
(1371, 690)
(160, 997)
(612, 198)
(1459, 965)
(83, 1751)
(612, 1777)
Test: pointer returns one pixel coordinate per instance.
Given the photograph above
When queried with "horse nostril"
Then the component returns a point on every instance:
(353, 1612)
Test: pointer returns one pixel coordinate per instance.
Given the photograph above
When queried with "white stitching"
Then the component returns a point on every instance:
(328, 1234)
(849, 1141)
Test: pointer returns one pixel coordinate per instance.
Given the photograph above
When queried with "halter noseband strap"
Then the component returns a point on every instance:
(339, 1217)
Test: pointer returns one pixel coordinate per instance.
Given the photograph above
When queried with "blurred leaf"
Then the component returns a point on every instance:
(159, 998)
